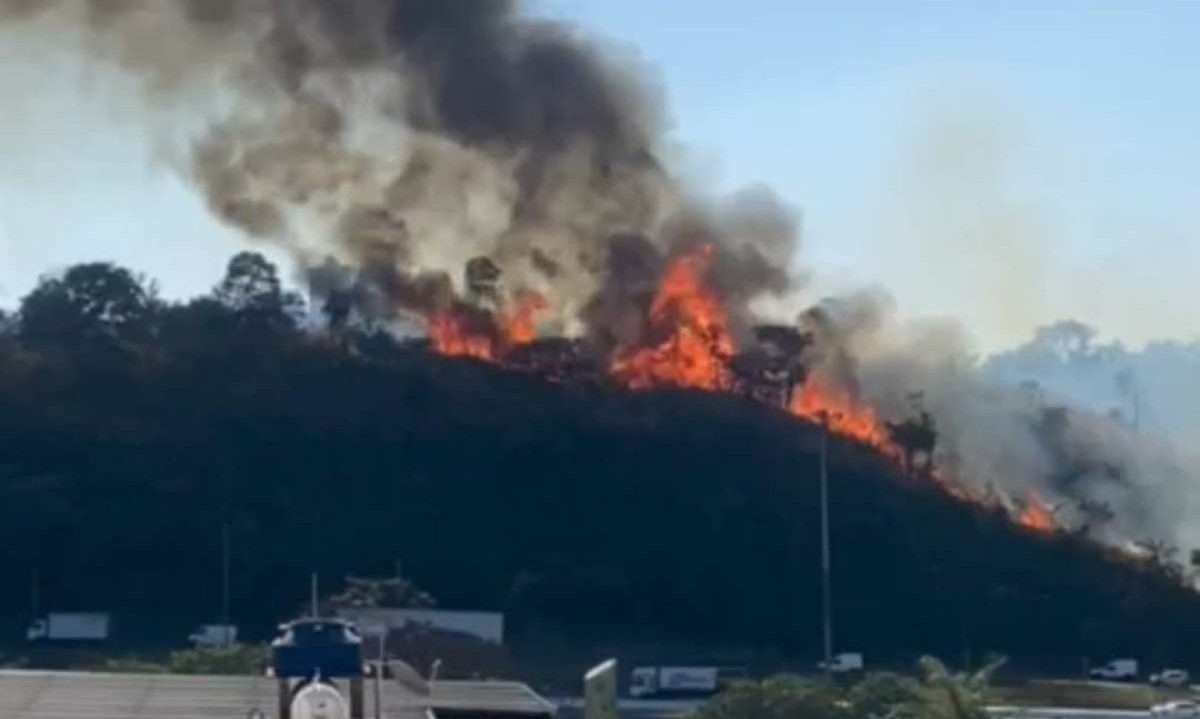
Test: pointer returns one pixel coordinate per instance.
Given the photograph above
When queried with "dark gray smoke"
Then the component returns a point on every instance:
(403, 137)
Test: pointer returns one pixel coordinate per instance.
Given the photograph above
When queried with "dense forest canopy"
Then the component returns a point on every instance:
(133, 429)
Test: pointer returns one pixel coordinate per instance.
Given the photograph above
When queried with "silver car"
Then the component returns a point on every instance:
(1176, 710)
(1170, 678)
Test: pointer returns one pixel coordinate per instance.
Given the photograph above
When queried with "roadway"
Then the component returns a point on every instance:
(572, 708)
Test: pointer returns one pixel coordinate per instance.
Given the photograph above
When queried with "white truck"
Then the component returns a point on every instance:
(842, 663)
(70, 627)
(214, 635)
(681, 681)
(1116, 670)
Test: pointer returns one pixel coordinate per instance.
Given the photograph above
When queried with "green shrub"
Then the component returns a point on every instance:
(130, 665)
(939, 694)
(232, 660)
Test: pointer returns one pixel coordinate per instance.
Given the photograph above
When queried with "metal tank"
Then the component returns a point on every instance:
(306, 658)
(319, 701)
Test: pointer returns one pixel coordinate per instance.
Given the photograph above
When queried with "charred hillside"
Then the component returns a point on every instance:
(128, 439)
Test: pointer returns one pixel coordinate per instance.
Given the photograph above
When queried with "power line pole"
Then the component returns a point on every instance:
(379, 673)
(826, 598)
(313, 591)
(34, 595)
(225, 603)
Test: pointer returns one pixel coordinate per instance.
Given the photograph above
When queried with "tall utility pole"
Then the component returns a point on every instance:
(379, 673)
(313, 591)
(34, 596)
(826, 594)
(225, 609)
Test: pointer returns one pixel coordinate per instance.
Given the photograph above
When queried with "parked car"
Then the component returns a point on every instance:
(843, 663)
(1116, 670)
(214, 635)
(1176, 710)
(1171, 678)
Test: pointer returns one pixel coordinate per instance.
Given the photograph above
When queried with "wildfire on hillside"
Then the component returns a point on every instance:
(841, 414)
(450, 335)
(687, 342)
(690, 343)
(1036, 514)
(518, 324)
(464, 331)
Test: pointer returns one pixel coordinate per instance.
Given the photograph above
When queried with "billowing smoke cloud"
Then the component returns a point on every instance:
(404, 137)
(1009, 441)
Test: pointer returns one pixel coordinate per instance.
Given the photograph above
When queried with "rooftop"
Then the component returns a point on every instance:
(74, 695)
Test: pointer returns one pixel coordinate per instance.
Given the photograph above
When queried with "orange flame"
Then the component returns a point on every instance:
(449, 335)
(1036, 514)
(689, 345)
(518, 324)
(697, 344)
(841, 414)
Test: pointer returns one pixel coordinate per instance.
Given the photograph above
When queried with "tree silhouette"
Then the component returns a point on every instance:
(89, 302)
(392, 592)
(964, 694)
(916, 436)
(251, 289)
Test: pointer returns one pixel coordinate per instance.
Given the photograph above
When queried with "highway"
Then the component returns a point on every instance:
(1064, 713)
(572, 708)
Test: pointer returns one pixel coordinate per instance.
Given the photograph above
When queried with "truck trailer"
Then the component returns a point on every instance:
(681, 681)
(70, 627)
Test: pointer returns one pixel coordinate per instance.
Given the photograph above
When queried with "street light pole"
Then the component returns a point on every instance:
(35, 609)
(826, 600)
(225, 618)
(379, 674)
(313, 595)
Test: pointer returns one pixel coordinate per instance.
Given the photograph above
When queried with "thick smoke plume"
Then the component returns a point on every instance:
(404, 137)
(461, 165)
(1012, 442)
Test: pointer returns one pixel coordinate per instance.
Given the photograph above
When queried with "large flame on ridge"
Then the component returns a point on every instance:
(465, 332)
(1036, 514)
(690, 343)
(518, 324)
(687, 343)
(450, 334)
(838, 411)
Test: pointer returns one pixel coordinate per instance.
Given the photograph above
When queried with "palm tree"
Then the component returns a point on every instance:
(960, 695)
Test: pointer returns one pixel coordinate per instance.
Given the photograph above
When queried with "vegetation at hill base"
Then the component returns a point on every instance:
(233, 660)
(937, 694)
(133, 429)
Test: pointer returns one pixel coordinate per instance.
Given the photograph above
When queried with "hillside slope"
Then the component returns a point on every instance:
(686, 514)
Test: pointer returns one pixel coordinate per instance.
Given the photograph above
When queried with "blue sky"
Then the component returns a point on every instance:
(1002, 163)
(1071, 124)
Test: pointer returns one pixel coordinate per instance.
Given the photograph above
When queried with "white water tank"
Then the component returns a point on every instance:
(319, 701)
